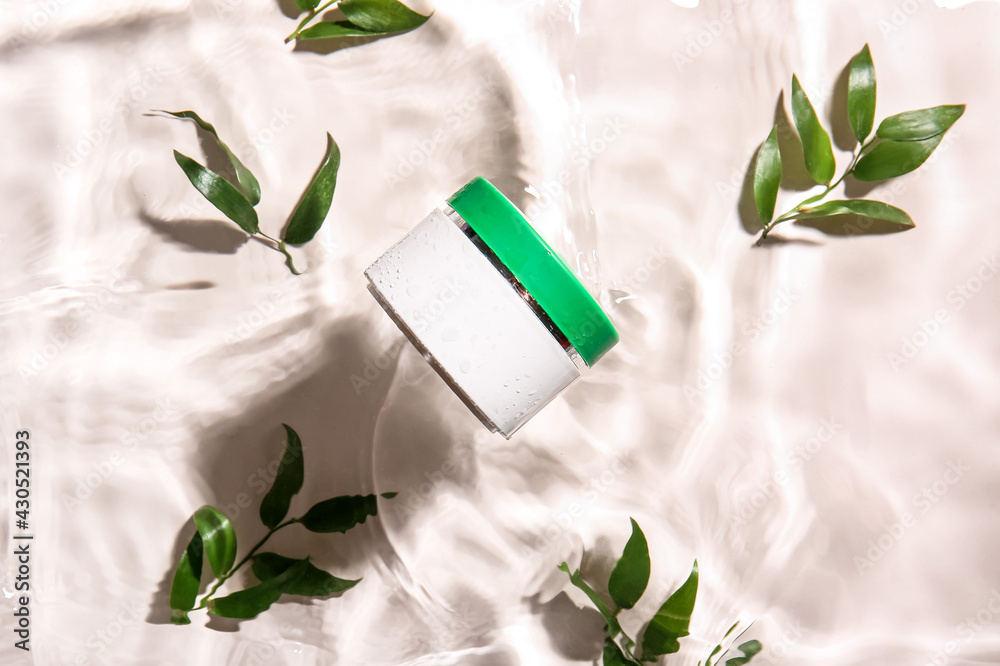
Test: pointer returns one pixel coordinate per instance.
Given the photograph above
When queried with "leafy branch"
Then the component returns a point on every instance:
(662, 633)
(901, 144)
(364, 18)
(215, 539)
(237, 200)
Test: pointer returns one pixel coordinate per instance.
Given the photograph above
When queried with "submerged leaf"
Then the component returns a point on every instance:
(672, 620)
(750, 649)
(311, 212)
(287, 481)
(767, 176)
(816, 146)
(339, 514)
(889, 159)
(247, 181)
(631, 573)
(220, 193)
(313, 582)
(861, 94)
(219, 537)
(187, 580)
(257, 599)
(921, 124)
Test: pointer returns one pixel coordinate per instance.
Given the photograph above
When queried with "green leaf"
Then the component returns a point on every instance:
(257, 599)
(816, 146)
(220, 193)
(920, 125)
(307, 5)
(187, 580)
(312, 583)
(749, 650)
(672, 620)
(389, 495)
(381, 16)
(367, 18)
(767, 176)
(339, 514)
(311, 212)
(861, 94)
(219, 537)
(287, 482)
(330, 29)
(889, 159)
(613, 627)
(249, 184)
(631, 573)
(875, 210)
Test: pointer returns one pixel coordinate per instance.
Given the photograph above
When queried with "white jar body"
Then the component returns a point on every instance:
(471, 324)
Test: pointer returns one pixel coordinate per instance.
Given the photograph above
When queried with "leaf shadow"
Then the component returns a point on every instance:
(852, 225)
(290, 9)
(794, 175)
(576, 633)
(856, 189)
(159, 609)
(774, 239)
(213, 236)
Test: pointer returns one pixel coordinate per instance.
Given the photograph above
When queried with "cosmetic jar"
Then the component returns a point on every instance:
(491, 306)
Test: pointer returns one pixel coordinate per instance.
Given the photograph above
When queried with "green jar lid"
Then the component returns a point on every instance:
(542, 272)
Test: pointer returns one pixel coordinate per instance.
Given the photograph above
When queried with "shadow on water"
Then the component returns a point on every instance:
(576, 633)
(336, 425)
(214, 236)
